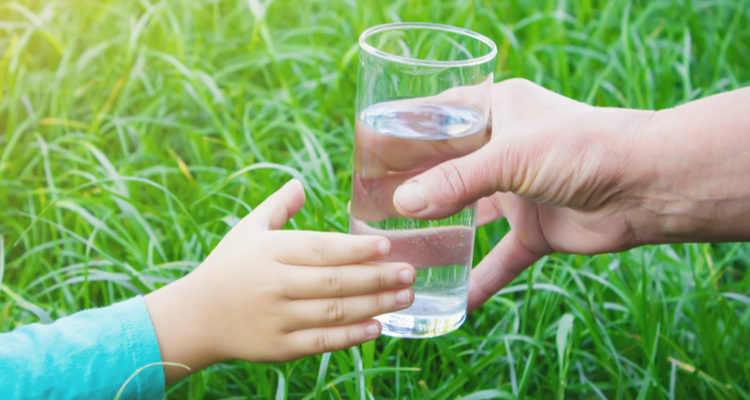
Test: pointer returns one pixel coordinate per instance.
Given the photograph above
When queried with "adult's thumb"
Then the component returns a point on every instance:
(449, 187)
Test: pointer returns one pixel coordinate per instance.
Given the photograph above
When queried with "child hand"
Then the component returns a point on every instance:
(269, 295)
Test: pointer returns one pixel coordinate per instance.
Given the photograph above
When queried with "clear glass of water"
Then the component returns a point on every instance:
(423, 97)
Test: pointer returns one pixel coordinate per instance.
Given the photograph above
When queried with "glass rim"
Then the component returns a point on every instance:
(427, 26)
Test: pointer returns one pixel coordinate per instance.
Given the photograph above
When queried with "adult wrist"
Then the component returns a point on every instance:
(626, 167)
(695, 183)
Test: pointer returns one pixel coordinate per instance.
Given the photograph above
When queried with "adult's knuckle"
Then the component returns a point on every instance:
(455, 186)
(516, 84)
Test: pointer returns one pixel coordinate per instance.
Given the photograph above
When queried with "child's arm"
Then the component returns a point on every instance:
(269, 295)
(261, 295)
(87, 355)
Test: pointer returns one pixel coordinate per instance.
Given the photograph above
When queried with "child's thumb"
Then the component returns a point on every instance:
(275, 210)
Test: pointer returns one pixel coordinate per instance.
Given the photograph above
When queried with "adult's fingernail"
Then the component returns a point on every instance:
(410, 197)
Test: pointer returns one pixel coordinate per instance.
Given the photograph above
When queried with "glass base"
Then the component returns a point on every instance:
(410, 326)
(419, 321)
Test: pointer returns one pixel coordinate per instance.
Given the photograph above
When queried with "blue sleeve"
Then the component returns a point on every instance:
(87, 355)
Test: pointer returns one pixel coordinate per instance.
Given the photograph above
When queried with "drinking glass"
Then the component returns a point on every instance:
(423, 97)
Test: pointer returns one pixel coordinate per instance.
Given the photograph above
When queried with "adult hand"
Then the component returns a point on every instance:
(383, 161)
(557, 169)
(574, 178)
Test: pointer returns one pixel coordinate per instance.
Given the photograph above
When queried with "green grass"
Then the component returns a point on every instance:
(131, 132)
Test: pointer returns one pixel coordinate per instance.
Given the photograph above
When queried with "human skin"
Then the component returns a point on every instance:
(267, 295)
(574, 178)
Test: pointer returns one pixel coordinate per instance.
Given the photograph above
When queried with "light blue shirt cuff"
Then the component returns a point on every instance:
(89, 354)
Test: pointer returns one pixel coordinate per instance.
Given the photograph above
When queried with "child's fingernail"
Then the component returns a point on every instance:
(403, 297)
(406, 276)
(384, 247)
(372, 330)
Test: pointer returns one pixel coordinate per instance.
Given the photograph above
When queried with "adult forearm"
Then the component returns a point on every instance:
(695, 161)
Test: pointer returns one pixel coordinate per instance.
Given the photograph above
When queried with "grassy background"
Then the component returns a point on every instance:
(132, 131)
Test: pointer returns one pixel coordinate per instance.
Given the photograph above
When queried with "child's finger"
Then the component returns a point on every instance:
(275, 210)
(350, 280)
(330, 248)
(322, 340)
(312, 313)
